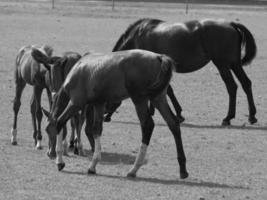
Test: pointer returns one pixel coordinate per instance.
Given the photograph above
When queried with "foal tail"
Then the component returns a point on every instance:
(248, 41)
(164, 77)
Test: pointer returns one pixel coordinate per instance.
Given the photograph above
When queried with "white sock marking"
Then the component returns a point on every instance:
(13, 135)
(59, 148)
(139, 161)
(97, 154)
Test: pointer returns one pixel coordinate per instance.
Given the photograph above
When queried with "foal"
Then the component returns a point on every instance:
(58, 68)
(97, 79)
(27, 70)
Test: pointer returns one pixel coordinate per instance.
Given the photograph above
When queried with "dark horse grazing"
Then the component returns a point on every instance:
(97, 79)
(192, 45)
(27, 70)
(58, 68)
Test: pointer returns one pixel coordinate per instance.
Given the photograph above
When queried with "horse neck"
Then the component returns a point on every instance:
(60, 102)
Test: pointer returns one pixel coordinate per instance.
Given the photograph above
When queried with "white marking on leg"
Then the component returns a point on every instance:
(39, 144)
(53, 94)
(97, 154)
(139, 161)
(13, 136)
(59, 148)
(80, 148)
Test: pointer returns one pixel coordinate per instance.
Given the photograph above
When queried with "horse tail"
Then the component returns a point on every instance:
(167, 65)
(248, 41)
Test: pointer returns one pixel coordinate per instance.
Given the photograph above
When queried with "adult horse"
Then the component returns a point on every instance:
(28, 71)
(192, 45)
(97, 79)
(58, 68)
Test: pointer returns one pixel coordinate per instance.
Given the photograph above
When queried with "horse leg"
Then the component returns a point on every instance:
(71, 140)
(88, 127)
(97, 128)
(59, 151)
(20, 85)
(69, 111)
(78, 147)
(147, 126)
(112, 107)
(161, 104)
(175, 104)
(33, 114)
(232, 89)
(39, 115)
(247, 87)
(49, 96)
(65, 144)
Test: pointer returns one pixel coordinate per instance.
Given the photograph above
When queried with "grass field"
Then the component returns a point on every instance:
(224, 163)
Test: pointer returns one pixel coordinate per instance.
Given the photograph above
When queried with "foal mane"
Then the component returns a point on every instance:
(139, 27)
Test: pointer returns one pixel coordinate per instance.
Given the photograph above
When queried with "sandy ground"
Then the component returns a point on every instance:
(224, 163)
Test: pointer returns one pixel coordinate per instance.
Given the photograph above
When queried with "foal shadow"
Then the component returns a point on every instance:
(109, 158)
(189, 182)
(196, 126)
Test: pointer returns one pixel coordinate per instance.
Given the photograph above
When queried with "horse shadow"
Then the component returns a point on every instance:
(196, 126)
(190, 182)
(111, 158)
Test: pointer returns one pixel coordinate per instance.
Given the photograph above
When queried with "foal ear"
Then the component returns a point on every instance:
(54, 59)
(39, 56)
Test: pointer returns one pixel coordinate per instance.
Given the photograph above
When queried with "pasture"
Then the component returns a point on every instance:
(223, 163)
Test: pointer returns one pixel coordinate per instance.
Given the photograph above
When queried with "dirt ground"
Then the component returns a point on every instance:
(224, 163)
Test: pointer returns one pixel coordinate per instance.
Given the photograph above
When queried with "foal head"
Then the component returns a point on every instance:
(58, 67)
(61, 99)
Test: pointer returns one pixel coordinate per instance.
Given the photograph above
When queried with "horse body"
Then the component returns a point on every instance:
(119, 67)
(195, 43)
(28, 71)
(182, 43)
(97, 79)
(58, 68)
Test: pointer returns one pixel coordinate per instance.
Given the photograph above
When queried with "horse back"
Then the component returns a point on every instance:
(112, 77)
(181, 41)
(27, 69)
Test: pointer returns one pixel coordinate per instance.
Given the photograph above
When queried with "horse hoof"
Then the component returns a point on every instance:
(90, 171)
(60, 166)
(71, 145)
(252, 120)
(226, 123)
(52, 156)
(80, 152)
(14, 143)
(65, 153)
(180, 119)
(39, 147)
(76, 151)
(184, 175)
(107, 119)
(131, 175)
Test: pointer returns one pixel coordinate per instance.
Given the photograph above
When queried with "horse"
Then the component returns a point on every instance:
(28, 71)
(194, 44)
(58, 68)
(95, 80)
